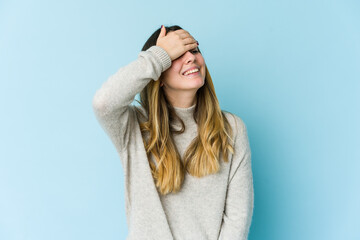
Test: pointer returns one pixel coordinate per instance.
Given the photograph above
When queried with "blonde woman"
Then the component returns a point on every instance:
(187, 163)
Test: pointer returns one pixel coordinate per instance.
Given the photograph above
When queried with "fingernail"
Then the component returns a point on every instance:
(162, 26)
(197, 42)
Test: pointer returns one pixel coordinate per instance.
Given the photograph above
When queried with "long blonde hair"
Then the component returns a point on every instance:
(201, 158)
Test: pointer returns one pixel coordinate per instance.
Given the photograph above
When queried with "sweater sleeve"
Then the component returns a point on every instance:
(111, 103)
(240, 196)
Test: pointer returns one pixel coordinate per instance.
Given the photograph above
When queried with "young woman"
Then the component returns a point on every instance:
(187, 163)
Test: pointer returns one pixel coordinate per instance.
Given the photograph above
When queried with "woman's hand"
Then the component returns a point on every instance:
(176, 43)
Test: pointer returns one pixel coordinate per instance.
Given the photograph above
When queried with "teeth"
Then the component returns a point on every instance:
(191, 71)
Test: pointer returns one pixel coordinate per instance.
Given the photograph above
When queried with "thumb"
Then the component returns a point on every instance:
(162, 31)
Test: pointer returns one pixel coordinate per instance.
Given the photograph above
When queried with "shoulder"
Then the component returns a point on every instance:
(241, 139)
(236, 122)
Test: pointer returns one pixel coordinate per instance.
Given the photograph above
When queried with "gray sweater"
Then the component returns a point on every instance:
(217, 206)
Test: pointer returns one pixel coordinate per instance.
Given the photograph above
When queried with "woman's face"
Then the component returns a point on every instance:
(177, 79)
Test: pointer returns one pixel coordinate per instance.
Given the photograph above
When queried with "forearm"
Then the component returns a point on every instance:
(121, 88)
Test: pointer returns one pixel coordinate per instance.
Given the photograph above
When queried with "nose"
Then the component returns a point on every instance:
(189, 57)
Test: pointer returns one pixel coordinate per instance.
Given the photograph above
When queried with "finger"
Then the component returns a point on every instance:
(162, 31)
(185, 35)
(189, 40)
(190, 46)
(180, 31)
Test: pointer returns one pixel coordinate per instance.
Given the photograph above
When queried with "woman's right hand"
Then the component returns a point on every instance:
(176, 43)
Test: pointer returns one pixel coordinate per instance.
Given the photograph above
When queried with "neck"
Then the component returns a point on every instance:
(181, 99)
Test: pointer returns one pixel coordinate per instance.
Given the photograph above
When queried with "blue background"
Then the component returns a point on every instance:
(289, 69)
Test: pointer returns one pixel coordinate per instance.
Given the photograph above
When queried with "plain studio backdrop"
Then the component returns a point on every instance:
(289, 69)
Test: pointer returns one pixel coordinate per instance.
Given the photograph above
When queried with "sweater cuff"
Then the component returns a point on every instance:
(162, 55)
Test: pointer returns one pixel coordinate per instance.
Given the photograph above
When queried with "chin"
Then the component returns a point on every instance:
(197, 85)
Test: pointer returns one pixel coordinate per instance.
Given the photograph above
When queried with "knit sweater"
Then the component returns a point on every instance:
(215, 207)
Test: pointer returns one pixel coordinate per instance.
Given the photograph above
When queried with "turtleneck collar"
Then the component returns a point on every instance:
(186, 114)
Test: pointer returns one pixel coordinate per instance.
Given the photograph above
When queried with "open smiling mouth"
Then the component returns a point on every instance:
(192, 73)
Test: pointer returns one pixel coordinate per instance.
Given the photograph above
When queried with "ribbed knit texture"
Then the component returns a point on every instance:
(215, 207)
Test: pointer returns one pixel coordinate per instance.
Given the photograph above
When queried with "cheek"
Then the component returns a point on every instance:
(176, 67)
(200, 59)
(172, 76)
(175, 71)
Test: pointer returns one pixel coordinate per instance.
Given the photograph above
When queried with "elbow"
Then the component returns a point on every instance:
(99, 104)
